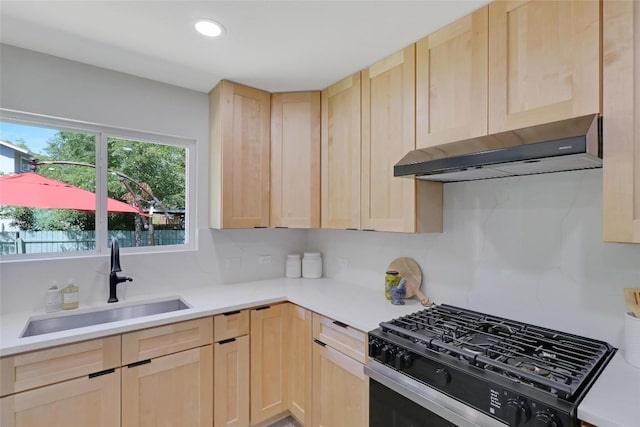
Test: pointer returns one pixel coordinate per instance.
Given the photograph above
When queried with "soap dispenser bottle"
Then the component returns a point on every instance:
(54, 298)
(70, 296)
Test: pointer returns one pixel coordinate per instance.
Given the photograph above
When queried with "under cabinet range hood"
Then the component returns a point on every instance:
(552, 147)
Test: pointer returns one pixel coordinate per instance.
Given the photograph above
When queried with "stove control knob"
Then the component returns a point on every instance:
(399, 361)
(546, 419)
(517, 412)
(374, 347)
(442, 377)
(389, 353)
(407, 360)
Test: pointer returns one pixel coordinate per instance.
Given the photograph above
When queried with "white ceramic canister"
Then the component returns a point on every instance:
(293, 266)
(631, 350)
(312, 265)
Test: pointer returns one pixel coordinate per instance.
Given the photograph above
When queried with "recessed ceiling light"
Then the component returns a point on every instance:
(209, 28)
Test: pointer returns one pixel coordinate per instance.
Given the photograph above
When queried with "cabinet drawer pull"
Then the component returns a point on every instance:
(227, 341)
(368, 229)
(280, 226)
(263, 308)
(142, 362)
(101, 373)
(351, 229)
(231, 313)
(319, 342)
(342, 325)
(259, 226)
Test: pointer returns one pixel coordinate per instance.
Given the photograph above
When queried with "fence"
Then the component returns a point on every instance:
(34, 242)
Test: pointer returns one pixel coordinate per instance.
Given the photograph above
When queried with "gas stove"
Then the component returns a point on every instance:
(511, 372)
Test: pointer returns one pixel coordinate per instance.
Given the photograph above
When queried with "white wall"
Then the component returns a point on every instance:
(43, 84)
(529, 248)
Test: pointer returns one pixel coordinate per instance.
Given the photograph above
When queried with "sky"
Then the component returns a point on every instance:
(35, 137)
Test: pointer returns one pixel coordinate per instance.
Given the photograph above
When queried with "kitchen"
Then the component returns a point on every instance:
(527, 248)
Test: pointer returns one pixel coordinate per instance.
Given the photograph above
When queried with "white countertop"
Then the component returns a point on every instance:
(362, 308)
(613, 401)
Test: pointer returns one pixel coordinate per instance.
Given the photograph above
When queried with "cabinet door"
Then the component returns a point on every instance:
(174, 390)
(85, 401)
(239, 156)
(298, 364)
(451, 82)
(340, 390)
(268, 385)
(389, 203)
(544, 62)
(231, 385)
(295, 160)
(621, 117)
(341, 154)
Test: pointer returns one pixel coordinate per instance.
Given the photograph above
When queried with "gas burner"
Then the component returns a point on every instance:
(529, 365)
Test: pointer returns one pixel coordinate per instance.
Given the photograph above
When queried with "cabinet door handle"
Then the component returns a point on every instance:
(368, 229)
(142, 362)
(231, 313)
(262, 308)
(342, 325)
(260, 226)
(281, 226)
(101, 373)
(351, 229)
(228, 340)
(319, 342)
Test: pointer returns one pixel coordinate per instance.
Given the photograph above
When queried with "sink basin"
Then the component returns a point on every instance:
(62, 323)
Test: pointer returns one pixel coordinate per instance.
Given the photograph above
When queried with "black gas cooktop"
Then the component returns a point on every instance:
(513, 371)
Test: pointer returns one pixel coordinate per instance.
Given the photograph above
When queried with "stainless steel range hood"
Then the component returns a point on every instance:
(553, 147)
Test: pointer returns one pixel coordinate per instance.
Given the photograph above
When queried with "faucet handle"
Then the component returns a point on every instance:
(115, 255)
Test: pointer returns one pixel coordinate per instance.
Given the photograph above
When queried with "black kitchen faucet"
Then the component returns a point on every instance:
(114, 279)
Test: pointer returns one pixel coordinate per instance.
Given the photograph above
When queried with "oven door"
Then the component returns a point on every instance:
(396, 400)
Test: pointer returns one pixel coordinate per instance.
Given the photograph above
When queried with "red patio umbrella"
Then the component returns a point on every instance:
(36, 191)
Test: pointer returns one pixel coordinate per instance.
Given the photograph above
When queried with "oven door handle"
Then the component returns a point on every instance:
(429, 398)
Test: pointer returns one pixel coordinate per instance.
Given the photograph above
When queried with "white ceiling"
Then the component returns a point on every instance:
(277, 46)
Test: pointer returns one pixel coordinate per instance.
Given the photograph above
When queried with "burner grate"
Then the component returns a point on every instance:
(556, 362)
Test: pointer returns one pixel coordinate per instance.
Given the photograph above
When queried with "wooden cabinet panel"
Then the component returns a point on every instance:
(343, 338)
(48, 366)
(621, 117)
(240, 119)
(295, 160)
(231, 384)
(79, 402)
(451, 82)
(340, 153)
(230, 325)
(162, 340)
(173, 390)
(340, 390)
(544, 62)
(268, 384)
(298, 358)
(389, 203)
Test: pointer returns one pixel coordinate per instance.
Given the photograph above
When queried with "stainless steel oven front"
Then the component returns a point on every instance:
(396, 400)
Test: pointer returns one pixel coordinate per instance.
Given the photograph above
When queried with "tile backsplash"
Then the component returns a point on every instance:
(529, 248)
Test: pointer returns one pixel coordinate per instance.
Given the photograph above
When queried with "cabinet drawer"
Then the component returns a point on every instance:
(343, 338)
(38, 368)
(230, 325)
(162, 340)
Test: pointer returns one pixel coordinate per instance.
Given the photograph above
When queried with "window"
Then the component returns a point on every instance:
(88, 183)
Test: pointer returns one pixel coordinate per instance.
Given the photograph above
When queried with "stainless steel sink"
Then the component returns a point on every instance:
(62, 323)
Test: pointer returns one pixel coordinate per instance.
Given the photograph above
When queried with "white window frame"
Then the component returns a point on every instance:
(102, 133)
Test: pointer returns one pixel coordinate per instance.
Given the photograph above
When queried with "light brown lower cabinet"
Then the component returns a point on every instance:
(172, 390)
(268, 382)
(231, 382)
(340, 390)
(298, 359)
(86, 401)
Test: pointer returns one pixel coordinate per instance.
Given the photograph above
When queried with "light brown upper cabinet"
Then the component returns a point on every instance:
(239, 178)
(295, 160)
(544, 62)
(621, 116)
(341, 154)
(451, 82)
(388, 133)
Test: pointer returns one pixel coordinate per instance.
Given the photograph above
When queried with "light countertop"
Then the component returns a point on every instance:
(613, 401)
